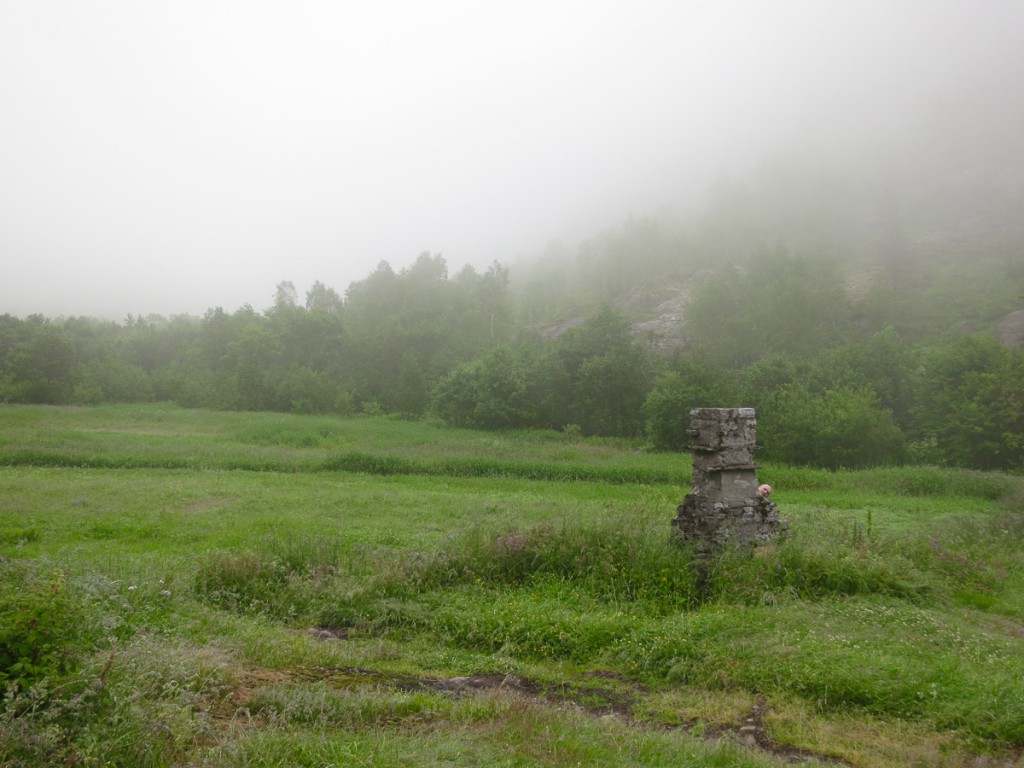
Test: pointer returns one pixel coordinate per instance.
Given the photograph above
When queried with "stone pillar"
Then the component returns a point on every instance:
(723, 506)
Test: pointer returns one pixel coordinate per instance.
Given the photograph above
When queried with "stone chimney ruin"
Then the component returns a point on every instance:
(724, 507)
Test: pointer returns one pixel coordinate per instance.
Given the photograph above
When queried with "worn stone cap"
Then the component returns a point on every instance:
(720, 413)
(718, 429)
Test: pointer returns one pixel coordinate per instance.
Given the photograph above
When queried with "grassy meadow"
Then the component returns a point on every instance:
(196, 588)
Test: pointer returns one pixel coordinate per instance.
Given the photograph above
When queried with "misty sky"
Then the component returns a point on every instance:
(171, 157)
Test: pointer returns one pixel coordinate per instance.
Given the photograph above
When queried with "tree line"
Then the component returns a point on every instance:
(782, 336)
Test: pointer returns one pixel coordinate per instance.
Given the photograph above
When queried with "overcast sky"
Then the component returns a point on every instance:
(171, 157)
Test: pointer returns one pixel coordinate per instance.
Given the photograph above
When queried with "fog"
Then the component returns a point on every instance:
(173, 157)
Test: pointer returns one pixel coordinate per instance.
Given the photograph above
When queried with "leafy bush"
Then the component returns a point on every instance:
(490, 392)
(40, 624)
(668, 404)
(841, 428)
(971, 403)
(667, 413)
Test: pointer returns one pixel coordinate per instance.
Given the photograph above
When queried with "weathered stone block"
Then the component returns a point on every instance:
(716, 428)
(724, 507)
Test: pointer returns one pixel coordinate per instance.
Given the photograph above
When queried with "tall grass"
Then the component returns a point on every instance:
(617, 558)
(908, 481)
(364, 463)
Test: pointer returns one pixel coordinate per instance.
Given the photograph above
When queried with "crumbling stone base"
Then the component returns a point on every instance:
(712, 526)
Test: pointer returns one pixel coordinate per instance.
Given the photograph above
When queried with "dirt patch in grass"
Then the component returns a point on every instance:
(208, 504)
(753, 734)
(1006, 626)
(591, 696)
(328, 633)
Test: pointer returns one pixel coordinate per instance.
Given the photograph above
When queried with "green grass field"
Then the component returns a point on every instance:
(197, 588)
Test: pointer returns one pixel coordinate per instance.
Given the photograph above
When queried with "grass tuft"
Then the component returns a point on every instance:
(614, 558)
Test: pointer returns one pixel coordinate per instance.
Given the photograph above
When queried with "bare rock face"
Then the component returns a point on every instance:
(724, 507)
(1010, 330)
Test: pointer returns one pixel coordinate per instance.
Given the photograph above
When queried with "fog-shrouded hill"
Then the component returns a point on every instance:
(934, 249)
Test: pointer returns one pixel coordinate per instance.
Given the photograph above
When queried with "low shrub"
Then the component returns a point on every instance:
(291, 580)
(142, 706)
(244, 582)
(41, 625)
